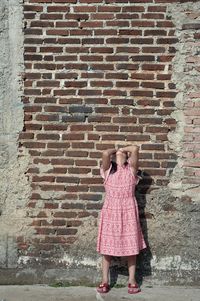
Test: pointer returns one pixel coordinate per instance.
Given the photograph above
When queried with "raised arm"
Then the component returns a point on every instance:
(133, 157)
(106, 158)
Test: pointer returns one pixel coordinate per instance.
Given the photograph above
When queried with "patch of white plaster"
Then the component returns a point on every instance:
(85, 262)
(23, 260)
(175, 262)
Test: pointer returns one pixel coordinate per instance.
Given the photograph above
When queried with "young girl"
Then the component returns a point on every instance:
(119, 232)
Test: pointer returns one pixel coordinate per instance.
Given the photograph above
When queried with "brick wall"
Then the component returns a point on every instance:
(98, 74)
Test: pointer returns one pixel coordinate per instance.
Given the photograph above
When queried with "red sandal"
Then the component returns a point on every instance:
(103, 288)
(133, 288)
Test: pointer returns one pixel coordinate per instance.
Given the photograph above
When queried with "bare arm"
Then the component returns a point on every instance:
(106, 158)
(134, 156)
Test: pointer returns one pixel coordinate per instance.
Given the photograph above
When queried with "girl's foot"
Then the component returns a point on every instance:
(133, 288)
(103, 287)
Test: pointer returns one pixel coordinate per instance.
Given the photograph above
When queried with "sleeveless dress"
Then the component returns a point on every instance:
(119, 231)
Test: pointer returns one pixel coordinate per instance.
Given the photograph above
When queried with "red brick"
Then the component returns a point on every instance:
(91, 24)
(42, 117)
(25, 136)
(34, 144)
(85, 162)
(127, 84)
(67, 179)
(60, 161)
(101, 84)
(51, 49)
(156, 8)
(117, 40)
(104, 146)
(50, 153)
(90, 58)
(107, 128)
(43, 179)
(155, 32)
(81, 145)
(55, 127)
(106, 110)
(41, 23)
(32, 91)
(45, 231)
(93, 137)
(58, 145)
(117, 23)
(55, 108)
(47, 137)
(131, 129)
(85, 127)
(90, 181)
(29, 16)
(165, 24)
(36, 8)
(153, 164)
(166, 94)
(109, 8)
(72, 136)
(101, 16)
(153, 147)
(128, 119)
(133, 8)
(156, 129)
(52, 187)
(167, 41)
(127, 16)
(85, 8)
(113, 137)
(156, 172)
(79, 170)
(152, 16)
(112, 92)
(137, 138)
(57, 8)
(154, 85)
(142, 23)
(58, 170)
(96, 101)
(74, 223)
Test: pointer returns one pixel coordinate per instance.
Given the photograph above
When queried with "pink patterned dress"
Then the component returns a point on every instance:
(119, 231)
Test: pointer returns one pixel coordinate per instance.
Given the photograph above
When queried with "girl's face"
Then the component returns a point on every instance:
(121, 157)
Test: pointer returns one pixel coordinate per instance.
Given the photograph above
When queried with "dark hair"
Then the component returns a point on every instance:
(114, 166)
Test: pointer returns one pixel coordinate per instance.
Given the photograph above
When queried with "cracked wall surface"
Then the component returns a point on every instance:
(14, 187)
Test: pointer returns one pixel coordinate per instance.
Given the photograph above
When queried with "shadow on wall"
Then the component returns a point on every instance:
(143, 267)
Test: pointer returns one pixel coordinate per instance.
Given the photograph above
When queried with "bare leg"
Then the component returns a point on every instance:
(105, 267)
(131, 268)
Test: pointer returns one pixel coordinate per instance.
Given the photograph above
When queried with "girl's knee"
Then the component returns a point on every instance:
(107, 257)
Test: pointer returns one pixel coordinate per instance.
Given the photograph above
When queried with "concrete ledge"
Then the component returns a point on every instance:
(90, 276)
(46, 293)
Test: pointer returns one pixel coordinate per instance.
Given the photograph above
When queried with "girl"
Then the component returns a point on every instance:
(119, 232)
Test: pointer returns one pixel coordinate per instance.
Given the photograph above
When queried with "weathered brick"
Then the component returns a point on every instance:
(47, 137)
(58, 145)
(152, 147)
(72, 136)
(113, 137)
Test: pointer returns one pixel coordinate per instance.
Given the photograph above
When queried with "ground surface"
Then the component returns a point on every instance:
(75, 293)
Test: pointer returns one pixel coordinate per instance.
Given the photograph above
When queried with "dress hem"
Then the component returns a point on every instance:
(111, 254)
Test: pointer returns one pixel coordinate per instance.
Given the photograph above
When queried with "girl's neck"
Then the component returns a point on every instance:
(120, 162)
